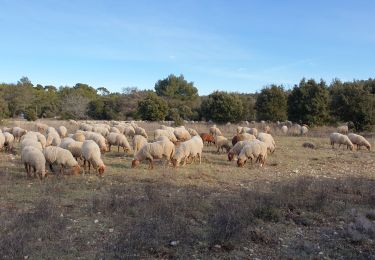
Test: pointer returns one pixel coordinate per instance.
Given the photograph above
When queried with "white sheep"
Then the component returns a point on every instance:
(53, 138)
(359, 140)
(31, 142)
(254, 150)
(236, 149)
(304, 130)
(192, 131)
(268, 139)
(114, 129)
(188, 149)
(62, 131)
(91, 154)
(138, 142)
(165, 132)
(61, 157)
(215, 131)
(99, 139)
(129, 131)
(41, 128)
(9, 140)
(2, 140)
(79, 137)
(140, 131)
(31, 157)
(222, 142)
(284, 129)
(182, 134)
(340, 139)
(18, 133)
(119, 140)
(343, 129)
(249, 130)
(155, 150)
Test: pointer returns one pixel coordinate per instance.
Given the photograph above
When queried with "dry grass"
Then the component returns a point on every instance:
(303, 204)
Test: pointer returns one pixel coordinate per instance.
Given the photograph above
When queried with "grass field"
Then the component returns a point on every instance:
(303, 204)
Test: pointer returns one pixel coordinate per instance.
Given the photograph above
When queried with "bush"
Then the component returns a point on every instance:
(271, 104)
(152, 108)
(30, 115)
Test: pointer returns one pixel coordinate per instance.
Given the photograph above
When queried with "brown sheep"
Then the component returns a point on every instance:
(207, 138)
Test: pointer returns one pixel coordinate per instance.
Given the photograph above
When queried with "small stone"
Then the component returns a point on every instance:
(26, 257)
(174, 243)
(296, 171)
(111, 230)
(39, 239)
(96, 221)
(320, 253)
(217, 246)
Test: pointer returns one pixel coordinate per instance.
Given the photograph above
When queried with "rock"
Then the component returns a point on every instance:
(174, 243)
(96, 221)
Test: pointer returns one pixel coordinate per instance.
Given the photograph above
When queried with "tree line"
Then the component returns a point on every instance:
(174, 98)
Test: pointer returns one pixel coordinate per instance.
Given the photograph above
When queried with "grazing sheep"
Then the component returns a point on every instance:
(18, 133)
(62, 157)
(359, 141)
(73, 122)
(9, 140)
(114, 129)
(119, 140)
(207, 138)
(239, 129)
(129, 131)
(62, 131)
(340, 139)
(32, 157)
(140, 131)
(267, 129)
(99, 139)
(304, 130)
(192, 131)
(164, 132)
(344, 129)
(189, 149)
(284, 129)
(41, 128)
(2, 140)
(31, 142)
(182, 134)
(242, 137)
(222, 142)
(53, 138)
(268, 139)
(50, 129)
(167, 128)
(85, 127)
(249, 130)
(65, 142)
(73, 146)
(254, 150)
(138, 142)
(37, 137)
(155, 150)
(215, 131)
(309, 145)
(79, 137)
(100, 129)
(236, 149)
(91, 154)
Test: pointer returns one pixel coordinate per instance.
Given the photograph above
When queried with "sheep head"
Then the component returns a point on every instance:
(135, 163)
(101, 169)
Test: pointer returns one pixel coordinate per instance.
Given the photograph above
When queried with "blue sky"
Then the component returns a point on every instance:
(218, 44)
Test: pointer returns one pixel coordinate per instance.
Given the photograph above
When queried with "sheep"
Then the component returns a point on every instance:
(7, 130)
(37, 137)
(268, 139)
(192, 131)
(155, 150)
(31, 142)
(79, 137)
(191, 148)
(73, 122)
(222, 142)
(100, 129)
(53, 138)
(91, 154)
(138, 142)
(129, 131)
(114, 130)
(215, 131)
(2, 140)
(32, 157)
(41, 128)
(18, 133)
(167, 128)
(239, 129)
(236, 149)
(254, 150)
(50, 129)
(284, 129)
(62, 157)
(344, 129)
(249, 130)
(65, 142)
(85, 127)
(182, 134)
(359, 141)
(99, 139)
(62, 131)
(267, 129)
(340, 139)
(164, 132)
(207, 138)
(140, 131)
(242, 137)
(119, 140)
(304, 130)
(9, 140)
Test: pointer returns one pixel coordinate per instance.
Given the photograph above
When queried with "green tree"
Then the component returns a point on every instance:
(271, 104)
(222, 107)
(176, 87)
(308, 103)
(152, 108)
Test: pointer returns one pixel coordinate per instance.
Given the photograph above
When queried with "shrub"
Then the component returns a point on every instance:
(152, 108)
(30, 115)
(271, 104)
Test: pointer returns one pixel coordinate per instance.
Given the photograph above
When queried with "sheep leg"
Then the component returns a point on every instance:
(89, 166)
(27, 170)
(50, 167)
(118, 149)
(150, 164)
(62, 169)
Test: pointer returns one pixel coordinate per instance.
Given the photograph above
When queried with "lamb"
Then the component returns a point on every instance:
(215, 131)
(9, 140)
(254, 150)
(344, 129)
(155, 150)
(140, 131)
(242, 137)
(207, 138)
(31, 157)
(268, 139)
(91, 154)
(191, 148)
(182, 134)
(62, 131)
(163, 132)
(119, 140)
(340, 139)
(18, 133)
(53, 138)
(138, 142)
(359, 141)
(236, 149)
(222, 142)
(284, 129)
(62, 157)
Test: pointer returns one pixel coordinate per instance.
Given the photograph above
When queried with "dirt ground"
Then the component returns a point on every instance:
(304, 203)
